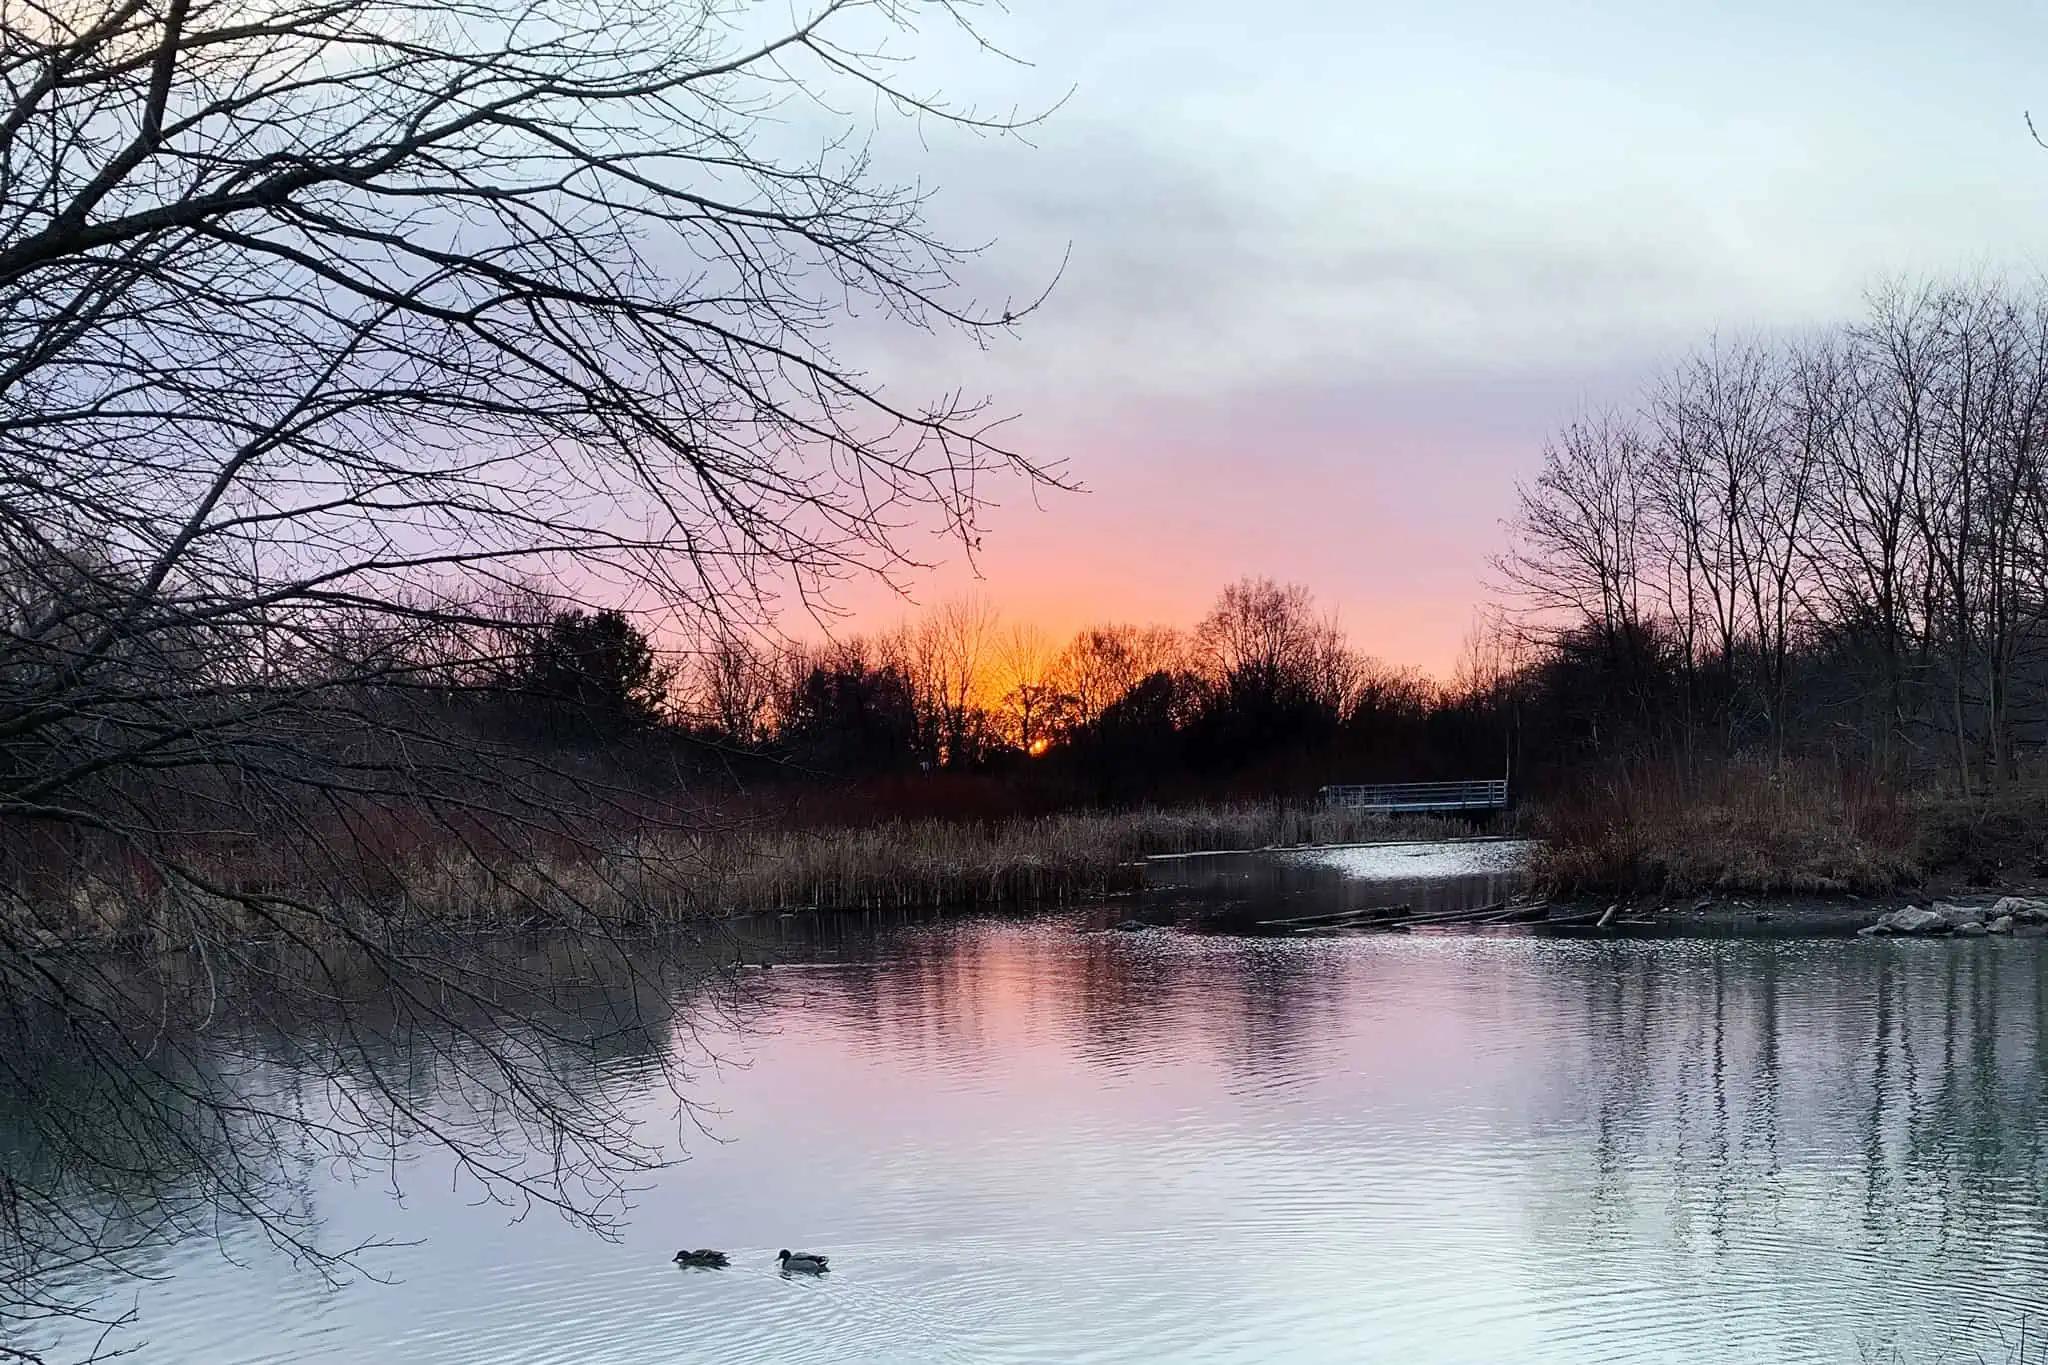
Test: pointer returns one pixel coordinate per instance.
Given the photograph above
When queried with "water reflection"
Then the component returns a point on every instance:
(121, 1148)
(1237, 891)
(1022, 1142)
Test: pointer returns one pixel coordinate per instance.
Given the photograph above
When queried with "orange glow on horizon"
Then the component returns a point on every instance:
(1395, 547)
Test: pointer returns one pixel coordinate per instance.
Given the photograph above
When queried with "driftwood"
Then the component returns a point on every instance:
(1521, 914)
(1474, 915)
(1334, 918)
(1398, 919)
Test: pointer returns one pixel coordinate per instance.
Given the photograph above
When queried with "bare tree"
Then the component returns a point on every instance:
(735, 688)
(1103, 663)
(1867, 565)
(324, 324)
(1871, 498)
(947, 654)
(1577, 534)
(1032, 707)
(1258, 634)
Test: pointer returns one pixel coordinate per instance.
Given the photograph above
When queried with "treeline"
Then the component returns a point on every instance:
(1832, 547)
(1264, 694)
(513, 707)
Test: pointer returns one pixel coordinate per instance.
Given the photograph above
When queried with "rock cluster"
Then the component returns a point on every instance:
(2005, 916)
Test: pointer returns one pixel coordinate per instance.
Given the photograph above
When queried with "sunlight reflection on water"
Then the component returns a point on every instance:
(1422, 876)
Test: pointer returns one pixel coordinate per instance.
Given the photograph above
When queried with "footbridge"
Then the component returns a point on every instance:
(1397, 798)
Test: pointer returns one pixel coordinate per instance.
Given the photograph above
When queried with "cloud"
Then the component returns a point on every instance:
(1185, 279)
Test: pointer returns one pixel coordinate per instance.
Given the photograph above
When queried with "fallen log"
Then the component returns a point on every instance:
(1521, 914)
(1478, 914)
(1333, 917)
(1360, 921)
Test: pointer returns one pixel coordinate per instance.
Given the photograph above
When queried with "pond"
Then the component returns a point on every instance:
(1250, 892)
(1027, 1140)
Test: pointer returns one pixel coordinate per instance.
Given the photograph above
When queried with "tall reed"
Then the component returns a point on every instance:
(924, 864)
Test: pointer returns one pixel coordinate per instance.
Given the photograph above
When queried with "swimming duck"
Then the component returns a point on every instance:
(802, 1262)
(710, 1260)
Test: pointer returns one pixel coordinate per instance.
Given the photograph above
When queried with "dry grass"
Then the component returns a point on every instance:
(650, 879)
(1749, 828)
(1745, 828)
(1051, 860)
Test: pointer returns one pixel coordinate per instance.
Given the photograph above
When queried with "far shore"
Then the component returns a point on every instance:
(1711, 866)
(651, 879)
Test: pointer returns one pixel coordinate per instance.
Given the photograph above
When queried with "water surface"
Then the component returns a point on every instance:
(1240, 890)
(1022, 1142)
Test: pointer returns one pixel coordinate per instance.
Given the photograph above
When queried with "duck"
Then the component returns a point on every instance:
(802, 1262)
(710, 1260)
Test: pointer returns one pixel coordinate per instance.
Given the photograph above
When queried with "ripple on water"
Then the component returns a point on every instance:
(1027, 1145)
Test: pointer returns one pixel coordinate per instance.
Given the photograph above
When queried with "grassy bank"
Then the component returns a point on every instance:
(1758, 830)
(927, 864)
(664, 876)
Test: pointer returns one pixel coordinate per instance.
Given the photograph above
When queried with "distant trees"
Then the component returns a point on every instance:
(735, 689)
(1279, 677)
(1838, 545)
(1035, 707)
(1103, 663)
(1263, 694)
(1143, 740)
(846, 714)
(950, 653)
(588, 675)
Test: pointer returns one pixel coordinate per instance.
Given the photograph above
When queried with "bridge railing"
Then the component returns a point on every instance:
(1485, 794)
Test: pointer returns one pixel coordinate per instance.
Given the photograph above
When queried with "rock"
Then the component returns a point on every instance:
(1765, 916)
(2001, 925)
(1971, 930)
(1959, 914)
(2023, 909)
(1869, 930)
(1915, 919)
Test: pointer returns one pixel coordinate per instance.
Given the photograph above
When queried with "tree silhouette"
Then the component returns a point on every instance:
(592, 675)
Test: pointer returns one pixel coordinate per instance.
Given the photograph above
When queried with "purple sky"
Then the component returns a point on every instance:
(1337, 268)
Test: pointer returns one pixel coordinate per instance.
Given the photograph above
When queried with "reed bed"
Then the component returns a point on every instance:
(898, 865)
(652, 878)
(1745, 828)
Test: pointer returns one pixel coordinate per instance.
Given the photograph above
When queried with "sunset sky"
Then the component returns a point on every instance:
(1336, 268)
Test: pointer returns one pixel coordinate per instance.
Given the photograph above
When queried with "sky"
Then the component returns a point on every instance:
(1334, 268)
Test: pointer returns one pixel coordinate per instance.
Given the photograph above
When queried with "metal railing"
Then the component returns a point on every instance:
(1486, 794)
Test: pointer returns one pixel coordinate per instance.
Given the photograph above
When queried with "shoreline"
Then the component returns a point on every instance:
(650, 879)
(1456, 839)
(1032, 866)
